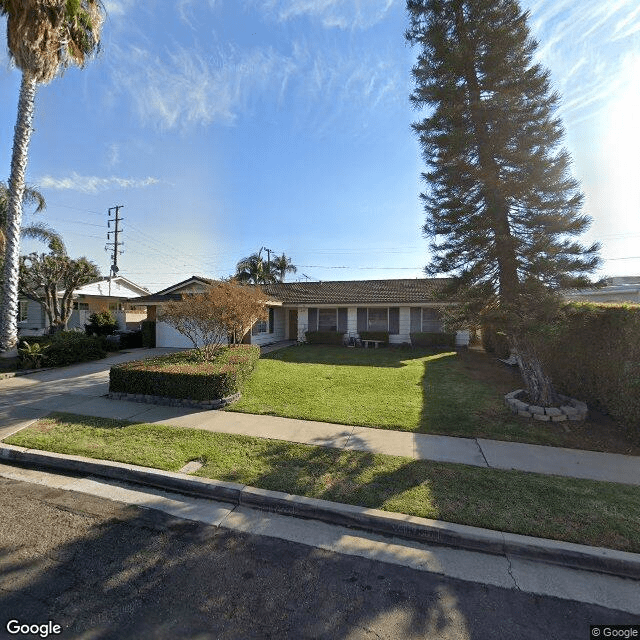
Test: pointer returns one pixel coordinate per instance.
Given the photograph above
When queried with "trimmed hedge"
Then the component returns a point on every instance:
(68, 347)
(324, 337)
(595, 356)
(383, 336)
(434, 339)
(148, 328)
(185, 376)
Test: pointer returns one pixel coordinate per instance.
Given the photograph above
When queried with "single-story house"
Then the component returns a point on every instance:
(400, 307)
(117, 295)
(616, 289)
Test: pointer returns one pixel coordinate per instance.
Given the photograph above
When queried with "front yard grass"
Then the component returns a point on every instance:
(581, 511)
(456, 394)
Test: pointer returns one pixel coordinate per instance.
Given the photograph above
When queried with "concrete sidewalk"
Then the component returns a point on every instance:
(81, 389)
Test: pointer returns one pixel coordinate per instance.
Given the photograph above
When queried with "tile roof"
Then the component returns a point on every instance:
(358, 291)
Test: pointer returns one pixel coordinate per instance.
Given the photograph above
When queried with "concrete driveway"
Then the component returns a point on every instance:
(78, 388)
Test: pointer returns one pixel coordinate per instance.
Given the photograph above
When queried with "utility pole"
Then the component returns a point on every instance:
(268, 259)
(116, 242)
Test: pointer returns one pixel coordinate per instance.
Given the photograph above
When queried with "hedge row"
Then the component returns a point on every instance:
(63, 348)
(185, 376)
(383, 336)
(434, 339)
(595, 357)
(324, 337)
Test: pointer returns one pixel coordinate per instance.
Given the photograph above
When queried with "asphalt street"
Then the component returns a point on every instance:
(103, 570)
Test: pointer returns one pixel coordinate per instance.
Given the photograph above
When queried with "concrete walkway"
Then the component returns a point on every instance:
(81, 389)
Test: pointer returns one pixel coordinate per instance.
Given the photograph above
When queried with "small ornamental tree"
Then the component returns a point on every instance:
(223, 313)
(51, 279)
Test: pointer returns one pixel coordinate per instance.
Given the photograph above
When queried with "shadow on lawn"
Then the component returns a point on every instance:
(351, 357)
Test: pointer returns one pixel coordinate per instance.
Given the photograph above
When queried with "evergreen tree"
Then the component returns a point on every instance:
(502, 206)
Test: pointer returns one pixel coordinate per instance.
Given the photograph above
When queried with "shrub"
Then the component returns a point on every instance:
(101, 324)
(131, 340)
(31, 355)
(383, 336)
(186, 375)
(148, 329)
(324, 337)
(434, 339)
(65, 347)
(594, 355)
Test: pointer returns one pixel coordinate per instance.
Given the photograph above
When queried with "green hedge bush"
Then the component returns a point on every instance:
(595, 356)
(324, 337)
(434, 339)
(66, 347)
(102, 323)
(383, 336)
(185, 376)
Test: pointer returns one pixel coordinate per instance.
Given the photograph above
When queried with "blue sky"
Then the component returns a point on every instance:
(225, 125)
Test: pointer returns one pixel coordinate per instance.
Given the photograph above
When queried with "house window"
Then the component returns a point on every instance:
(23, 311)
(81, 306)
(271, 319)
(425, 319)
(329, 319)
(259, 327)
(379, 319)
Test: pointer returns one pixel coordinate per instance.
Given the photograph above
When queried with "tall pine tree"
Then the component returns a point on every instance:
(501, 204)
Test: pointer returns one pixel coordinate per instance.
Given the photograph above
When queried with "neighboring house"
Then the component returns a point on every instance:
(117, 295)
(400, 307)
(616, 289)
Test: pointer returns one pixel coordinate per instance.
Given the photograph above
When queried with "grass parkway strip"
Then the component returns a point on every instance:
(581, 511)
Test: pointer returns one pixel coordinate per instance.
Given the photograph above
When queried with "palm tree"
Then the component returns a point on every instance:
(283, 265)
(35, 231)
(254, 270)
(44, 37)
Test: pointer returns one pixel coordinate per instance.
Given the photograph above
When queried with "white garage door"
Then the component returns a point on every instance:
(167, 336)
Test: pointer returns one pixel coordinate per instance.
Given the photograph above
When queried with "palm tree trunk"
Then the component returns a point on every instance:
(22, 135)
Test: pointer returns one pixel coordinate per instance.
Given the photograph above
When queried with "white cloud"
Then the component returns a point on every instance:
(185, 9)
(93, 184)
(343, 14)
(583, 44)
(188, 87)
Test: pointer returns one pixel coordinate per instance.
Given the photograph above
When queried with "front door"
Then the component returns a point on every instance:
(293, 324)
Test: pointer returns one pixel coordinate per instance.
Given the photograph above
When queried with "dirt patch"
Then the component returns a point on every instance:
(598, 432)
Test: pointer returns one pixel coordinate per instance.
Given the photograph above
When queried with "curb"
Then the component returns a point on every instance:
(567, 554)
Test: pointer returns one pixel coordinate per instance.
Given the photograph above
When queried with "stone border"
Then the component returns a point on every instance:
(570, 409)
(218, 403)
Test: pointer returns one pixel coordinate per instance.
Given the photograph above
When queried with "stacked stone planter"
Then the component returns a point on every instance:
(218, 403)
(570, 409)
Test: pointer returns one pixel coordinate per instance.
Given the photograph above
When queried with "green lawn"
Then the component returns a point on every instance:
(582, 511)
(404, 390)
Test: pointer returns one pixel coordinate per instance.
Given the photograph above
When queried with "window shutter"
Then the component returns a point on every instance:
(362, 319)
(416, 320)
(342, 320)
(313, 319)
(394, 321)
(271, 319)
